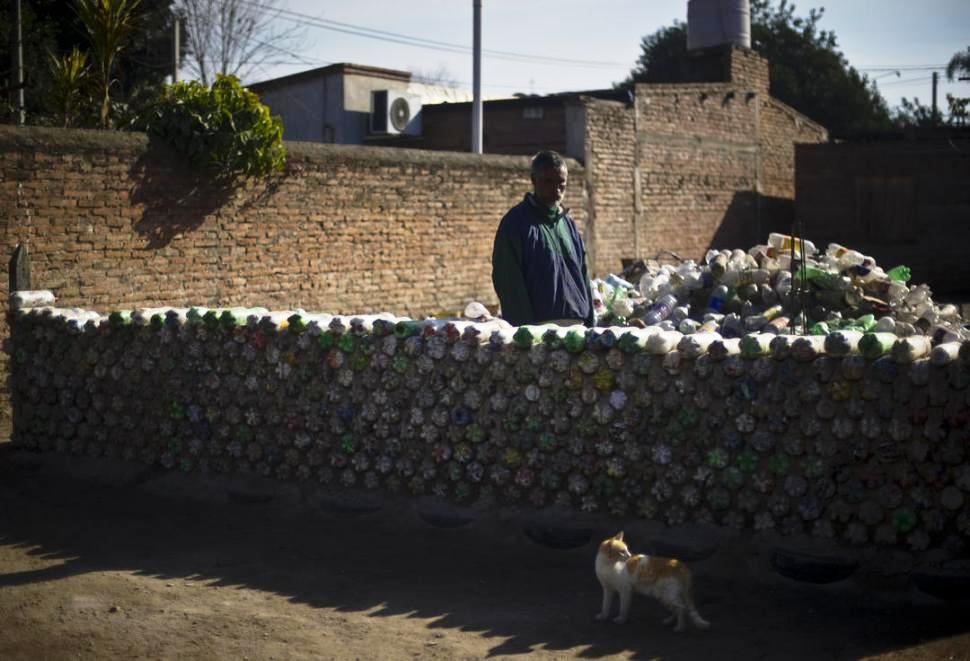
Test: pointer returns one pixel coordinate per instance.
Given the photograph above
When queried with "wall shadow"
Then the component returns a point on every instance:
(750, 218)
(175, 198)
(495, 584)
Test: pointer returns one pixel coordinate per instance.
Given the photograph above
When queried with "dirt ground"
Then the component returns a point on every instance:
(97, 570)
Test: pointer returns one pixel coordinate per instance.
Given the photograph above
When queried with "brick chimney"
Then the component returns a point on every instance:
(719, 44)
(728, 64)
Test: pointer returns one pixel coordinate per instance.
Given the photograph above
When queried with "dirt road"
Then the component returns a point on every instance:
(106, 571)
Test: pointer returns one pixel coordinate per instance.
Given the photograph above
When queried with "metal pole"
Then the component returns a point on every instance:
(176, 47)
(936, 80)
(21, 111)
(477, 78)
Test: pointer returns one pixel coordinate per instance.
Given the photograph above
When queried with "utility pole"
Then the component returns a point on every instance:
(477, 77)
(936, 81)
(176, 46)
(21, 112)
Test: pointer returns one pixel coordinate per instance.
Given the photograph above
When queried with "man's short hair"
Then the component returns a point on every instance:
(545, 160)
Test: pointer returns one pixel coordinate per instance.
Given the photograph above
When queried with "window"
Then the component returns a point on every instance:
(533, 112)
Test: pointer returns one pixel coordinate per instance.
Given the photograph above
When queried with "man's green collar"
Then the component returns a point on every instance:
(549, 215)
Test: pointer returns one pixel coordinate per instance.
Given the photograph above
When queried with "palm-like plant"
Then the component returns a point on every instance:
(959, 64)
(70, 73)
(109, 24)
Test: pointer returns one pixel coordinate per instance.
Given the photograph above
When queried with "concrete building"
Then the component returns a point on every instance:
(334, 104)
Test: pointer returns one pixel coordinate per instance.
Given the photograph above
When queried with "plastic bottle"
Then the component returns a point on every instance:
(783, 283)
(899, 273)
(660, 309)
(731, 326)
(650, 285)
(622, 307)
(885, 325)
(615, 281)
(819, 328)
(942, 334)
(575, 341)
(778, 325)
(835, 250)
(526, 336)
(782, 243)
(679, 313)
(767, 295)
(719, 296)
(718, 265)
(688, 326)
(849, 258)
(917, 295)
(709, 326)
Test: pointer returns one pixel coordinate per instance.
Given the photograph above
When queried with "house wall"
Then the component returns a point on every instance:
(901, 201)
(693, 166)
(509, 128)
(305, 107)
(357, 105)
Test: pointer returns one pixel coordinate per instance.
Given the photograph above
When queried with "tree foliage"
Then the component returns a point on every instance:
(235, 37)
(223, 129)
(807, 70)
(914, 113)
(50, 27)
(71, 74)
(959, 66)
(109, 25)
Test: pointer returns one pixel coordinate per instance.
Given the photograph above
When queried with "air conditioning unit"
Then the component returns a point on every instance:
(394, 113)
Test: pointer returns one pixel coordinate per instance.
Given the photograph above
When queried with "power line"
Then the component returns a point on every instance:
(902, 67)
(420, 42)
(908, 81)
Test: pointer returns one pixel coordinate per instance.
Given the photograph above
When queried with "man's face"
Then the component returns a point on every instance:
(549, 185)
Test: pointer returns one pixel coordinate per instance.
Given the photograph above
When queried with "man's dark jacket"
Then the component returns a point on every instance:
(539, 266)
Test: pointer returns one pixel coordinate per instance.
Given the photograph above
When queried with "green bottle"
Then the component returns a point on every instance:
(899, 273)
(575, 342)
(631, 343)
(552, 339)
(228, 320)
(295, 324)
(211, 319)
(405, 329)
(819, 328)
(526, 336)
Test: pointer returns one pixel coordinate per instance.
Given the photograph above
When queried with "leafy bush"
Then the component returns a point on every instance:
(223, 129)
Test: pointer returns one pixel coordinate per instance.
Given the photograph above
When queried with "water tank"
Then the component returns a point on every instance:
(716, 22)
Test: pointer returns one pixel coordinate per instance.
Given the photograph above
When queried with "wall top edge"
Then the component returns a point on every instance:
(58, 140)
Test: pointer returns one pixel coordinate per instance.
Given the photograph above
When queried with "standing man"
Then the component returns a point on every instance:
(539, 260)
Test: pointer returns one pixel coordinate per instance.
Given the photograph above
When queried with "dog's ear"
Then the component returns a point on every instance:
(619, 536)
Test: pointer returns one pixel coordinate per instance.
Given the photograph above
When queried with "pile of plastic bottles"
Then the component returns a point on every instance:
(784, 286)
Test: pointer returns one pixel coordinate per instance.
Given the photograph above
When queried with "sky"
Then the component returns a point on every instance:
(546, 46)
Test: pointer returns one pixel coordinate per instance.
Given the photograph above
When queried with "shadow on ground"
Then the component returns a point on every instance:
(491, 582)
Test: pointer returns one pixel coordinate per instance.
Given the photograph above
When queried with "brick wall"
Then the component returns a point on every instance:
(113, 222)
(519, 126)
(610, 162)
(901, 201)
(729, 64)
(715, 164)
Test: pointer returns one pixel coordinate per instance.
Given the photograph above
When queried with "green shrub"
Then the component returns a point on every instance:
(223, 129)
